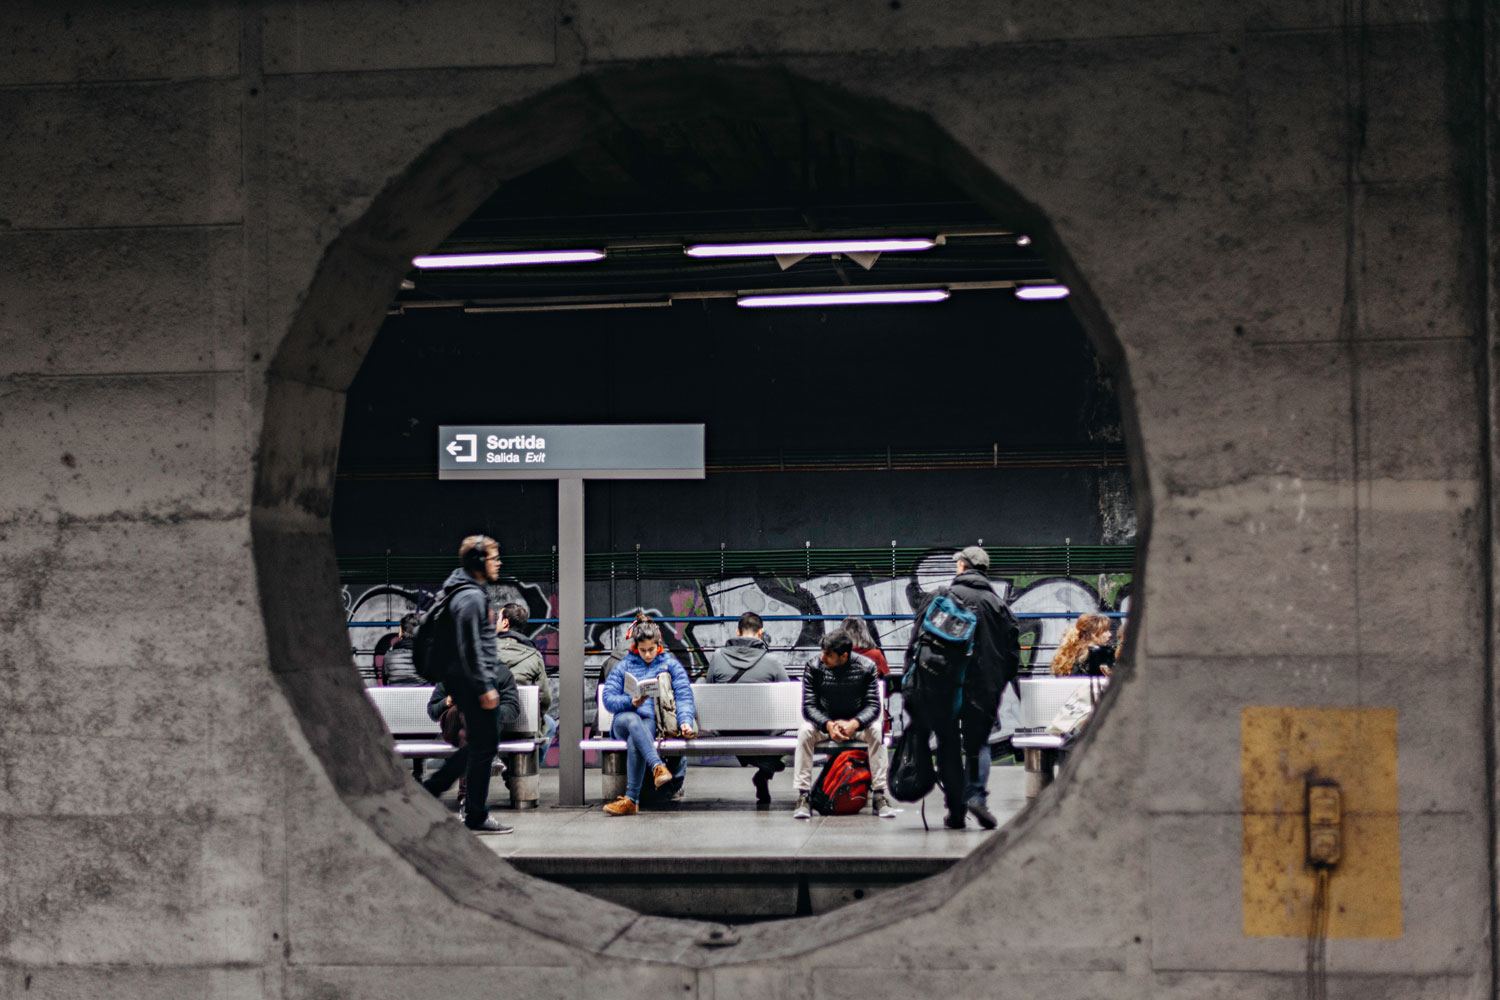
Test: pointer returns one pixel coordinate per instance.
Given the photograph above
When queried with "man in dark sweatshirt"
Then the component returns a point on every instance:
(746, 659)
(481, 687)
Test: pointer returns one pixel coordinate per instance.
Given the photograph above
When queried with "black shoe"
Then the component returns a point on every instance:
(953, 822)
(490, 825)
(762, 781)
(982, 813)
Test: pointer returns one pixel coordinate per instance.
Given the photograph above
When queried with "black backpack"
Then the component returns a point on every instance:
(912, 774)
(434, 646)
(937, 659)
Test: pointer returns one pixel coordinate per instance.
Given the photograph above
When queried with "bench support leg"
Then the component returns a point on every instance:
(522, 780)
(1039, 767)
(612, 774)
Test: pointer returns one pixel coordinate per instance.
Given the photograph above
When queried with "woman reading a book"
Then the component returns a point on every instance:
(630, 693)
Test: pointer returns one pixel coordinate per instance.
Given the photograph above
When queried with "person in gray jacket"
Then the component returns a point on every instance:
(746, 659)
(399, 668)
(516, 651)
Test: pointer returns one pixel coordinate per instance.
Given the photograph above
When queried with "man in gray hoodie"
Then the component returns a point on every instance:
(746, 659)
(479, 685)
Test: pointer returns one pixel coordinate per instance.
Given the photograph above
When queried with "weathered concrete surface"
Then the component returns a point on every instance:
(1274, 223)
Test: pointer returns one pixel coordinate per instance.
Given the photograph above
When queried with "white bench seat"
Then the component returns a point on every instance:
(1041, 697)
(416, 737)
(714, 746)
(770, 714)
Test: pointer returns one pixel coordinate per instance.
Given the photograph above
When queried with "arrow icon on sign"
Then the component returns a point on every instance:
(459, 452)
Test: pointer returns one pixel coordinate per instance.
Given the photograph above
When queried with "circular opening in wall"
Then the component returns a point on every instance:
(649, 264)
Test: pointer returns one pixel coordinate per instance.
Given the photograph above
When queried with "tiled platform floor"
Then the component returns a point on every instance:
(718, 818)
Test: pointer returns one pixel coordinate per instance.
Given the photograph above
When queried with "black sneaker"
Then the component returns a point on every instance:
(762, 781)
(491, 825)
(982, 813)
(955, 822)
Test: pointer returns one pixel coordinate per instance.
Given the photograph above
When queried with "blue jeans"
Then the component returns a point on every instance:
(549, 730)
(640, 750)
(977, 776)
(976, 735)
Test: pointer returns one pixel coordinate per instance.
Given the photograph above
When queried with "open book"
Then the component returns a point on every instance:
(638, 688)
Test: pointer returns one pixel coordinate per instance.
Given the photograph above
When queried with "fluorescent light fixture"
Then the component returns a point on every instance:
(1037, 293)
(806, 247)
(507, 258)
(1023, 241)
(844, 298)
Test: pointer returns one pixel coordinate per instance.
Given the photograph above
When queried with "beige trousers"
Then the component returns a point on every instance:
(808, 738)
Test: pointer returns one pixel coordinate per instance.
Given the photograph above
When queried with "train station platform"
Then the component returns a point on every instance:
(715, 855)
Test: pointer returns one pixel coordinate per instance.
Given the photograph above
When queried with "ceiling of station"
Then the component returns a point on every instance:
(643, 195)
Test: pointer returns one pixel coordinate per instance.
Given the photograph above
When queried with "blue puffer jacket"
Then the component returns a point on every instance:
(617, 701)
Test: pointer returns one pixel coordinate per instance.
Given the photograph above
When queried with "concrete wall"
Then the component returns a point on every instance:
(1275, 225)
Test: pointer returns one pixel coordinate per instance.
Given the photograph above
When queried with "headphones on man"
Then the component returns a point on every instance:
(474, 559)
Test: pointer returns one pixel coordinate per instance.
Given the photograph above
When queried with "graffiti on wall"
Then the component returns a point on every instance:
(831, 594)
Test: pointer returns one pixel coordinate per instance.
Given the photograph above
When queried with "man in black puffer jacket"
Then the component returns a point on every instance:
(840, 701)
(399, 668)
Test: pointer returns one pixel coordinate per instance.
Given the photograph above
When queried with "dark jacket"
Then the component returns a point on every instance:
(747, 653)
(1093, 664)
(996, 658)
(472, 665)
(518, 653)
(846, 692)
(399, 668)
(437, 703)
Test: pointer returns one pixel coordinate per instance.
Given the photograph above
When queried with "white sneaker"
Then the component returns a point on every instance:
(882, 806)
(804, 807)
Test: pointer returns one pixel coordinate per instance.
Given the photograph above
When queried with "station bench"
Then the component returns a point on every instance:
(1041, 697)
(416, 737)
(774, 707)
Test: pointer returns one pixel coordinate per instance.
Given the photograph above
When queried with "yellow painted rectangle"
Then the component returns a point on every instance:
(1280, 748)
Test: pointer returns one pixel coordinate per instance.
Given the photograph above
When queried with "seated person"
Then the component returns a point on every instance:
(399, 668)
(864, 642)
(635, 718)
(840, 701)
(747, 660)
(526, 665)
(1085, 649)
(622, 649)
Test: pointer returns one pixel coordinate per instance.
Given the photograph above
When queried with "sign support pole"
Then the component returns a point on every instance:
(569, 454)
(570, 639)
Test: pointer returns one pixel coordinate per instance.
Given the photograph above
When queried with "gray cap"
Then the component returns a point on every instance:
(975, 557)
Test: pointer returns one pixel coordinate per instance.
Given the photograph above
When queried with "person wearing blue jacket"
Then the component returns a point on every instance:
(635, 718)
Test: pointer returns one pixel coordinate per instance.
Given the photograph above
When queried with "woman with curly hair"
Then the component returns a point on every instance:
(1085, 648)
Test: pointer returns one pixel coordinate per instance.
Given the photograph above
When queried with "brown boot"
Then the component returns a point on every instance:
(661, 775)
(621, 807)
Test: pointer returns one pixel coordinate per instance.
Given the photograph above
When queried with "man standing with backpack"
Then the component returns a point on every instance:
(960, 701)
(460, 653)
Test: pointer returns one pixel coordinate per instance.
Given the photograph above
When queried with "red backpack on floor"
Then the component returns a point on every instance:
(844, 786)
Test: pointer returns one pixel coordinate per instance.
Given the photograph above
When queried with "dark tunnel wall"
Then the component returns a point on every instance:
(978, 373)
